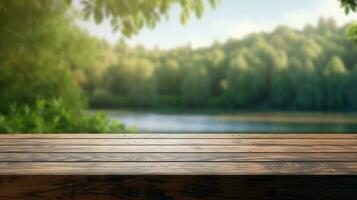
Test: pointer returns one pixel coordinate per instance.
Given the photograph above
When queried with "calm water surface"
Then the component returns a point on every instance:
(249, 122)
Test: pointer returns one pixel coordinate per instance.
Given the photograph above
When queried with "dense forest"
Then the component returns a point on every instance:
(310, 69)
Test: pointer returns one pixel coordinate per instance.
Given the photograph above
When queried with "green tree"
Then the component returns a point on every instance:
(196, 87)
(304, 83)
(33, 63)
(335, 76)
(169, 77)
(238, 82)
(142, 84)
(352, 88)
(280, 84)
(263, 59)
(217, 68)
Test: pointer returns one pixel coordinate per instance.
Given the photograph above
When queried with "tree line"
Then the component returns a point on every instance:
(310, 69)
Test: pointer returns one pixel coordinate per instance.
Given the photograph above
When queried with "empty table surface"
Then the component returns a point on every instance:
(178, 154)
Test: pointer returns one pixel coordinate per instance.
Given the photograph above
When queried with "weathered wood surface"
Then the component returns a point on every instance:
(178, 187)
(178, 154)
(225, 166)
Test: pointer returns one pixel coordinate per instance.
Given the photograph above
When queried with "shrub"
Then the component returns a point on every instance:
(53, 117)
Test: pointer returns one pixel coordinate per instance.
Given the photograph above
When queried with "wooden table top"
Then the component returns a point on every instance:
(178, 154)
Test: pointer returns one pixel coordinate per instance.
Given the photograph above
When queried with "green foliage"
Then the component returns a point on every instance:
(335, 75)
(169, 74)
(52, 116)
(285, 69)
(305, 85)
(129, 17)
(352, 32)
(215, 59)
(169, 101)
(350, 6)
(39, 48)
(281, 84)
(238, 82)
(196, 87)
(43, 54)
(142, 89)
(102, 98)
(352, 88)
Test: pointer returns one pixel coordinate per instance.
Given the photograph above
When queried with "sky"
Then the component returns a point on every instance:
(231, 19)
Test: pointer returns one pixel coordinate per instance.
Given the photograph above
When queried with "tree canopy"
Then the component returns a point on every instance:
(128, 17)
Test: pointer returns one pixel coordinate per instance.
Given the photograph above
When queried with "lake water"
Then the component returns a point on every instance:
(243, 122)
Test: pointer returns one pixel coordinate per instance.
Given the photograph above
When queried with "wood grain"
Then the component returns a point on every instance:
(207, 149)
(178, 168)
(176, 157)
(184, 135)
(178, 187)
(37, 166)
(178, 154)
(178, 142)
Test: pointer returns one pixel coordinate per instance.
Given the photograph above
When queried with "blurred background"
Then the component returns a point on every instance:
(130, 66)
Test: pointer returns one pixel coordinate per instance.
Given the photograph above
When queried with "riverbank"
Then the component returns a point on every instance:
(242, 122)
(246, 115)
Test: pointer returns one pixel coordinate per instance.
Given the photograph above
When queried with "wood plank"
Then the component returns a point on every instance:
(177, 154)
(89, 149)
(194, 141)
(176, 157)
(178, 168)
(234, 155)
(178, 187)
(185, 135)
